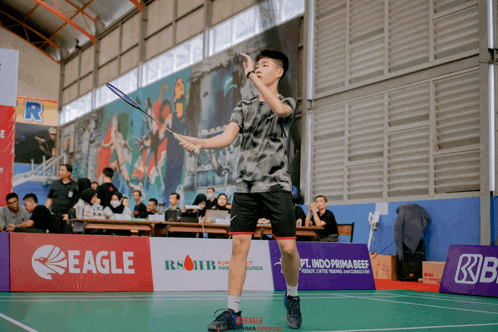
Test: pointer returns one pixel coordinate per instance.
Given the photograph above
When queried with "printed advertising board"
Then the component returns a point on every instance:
(471, 270)
(327, 266)
(180, 264)
(4, 263)
(79, 263)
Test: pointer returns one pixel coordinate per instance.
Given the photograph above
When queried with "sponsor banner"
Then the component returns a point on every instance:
(37, 111)
(327, 266)
(7, 140)
(471, 270)
(79, 263)
(4, 263)
(180, 264)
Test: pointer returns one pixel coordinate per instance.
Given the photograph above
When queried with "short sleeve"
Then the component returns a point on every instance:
(238, 116)
(51, 191)
(2, 217)
(291, 102)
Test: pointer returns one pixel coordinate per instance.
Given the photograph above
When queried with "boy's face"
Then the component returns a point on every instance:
(268, 71)
(173, 200)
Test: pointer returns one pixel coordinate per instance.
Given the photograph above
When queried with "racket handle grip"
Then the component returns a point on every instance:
(196, 151)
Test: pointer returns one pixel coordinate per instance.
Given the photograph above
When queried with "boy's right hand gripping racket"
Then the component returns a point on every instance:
(130, 101)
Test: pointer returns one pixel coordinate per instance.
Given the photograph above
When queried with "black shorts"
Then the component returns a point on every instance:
(277, 206)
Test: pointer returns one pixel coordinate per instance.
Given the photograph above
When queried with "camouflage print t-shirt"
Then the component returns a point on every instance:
(263, 163)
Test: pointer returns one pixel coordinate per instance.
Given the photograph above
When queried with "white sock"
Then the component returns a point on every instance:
(292, 291)
(233, 302)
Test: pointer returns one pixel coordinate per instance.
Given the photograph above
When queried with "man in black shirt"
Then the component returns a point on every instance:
(324, 218)
(41, 219)
(106, 189)
(211, 199)
(62, 196)
(140, 210)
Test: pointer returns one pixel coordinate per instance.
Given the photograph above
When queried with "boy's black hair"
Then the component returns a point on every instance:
(11, 195)
(278, 56)
(176, 195)
(31, 197)
(154, 200)
(68, 167)
(108, 172)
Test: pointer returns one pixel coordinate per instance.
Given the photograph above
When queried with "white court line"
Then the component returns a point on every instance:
(13, 321)
(418, 328)
(448, 299)
(180, 295)
(424, 305)
(199, 298)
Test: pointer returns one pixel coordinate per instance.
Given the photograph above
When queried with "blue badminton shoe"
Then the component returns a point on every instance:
(293, 318)
(228, 320)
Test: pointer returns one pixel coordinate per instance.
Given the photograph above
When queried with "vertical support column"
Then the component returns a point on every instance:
(141, 46)
(208, 21)
(96, 55)
(59, 106)
(484, 58)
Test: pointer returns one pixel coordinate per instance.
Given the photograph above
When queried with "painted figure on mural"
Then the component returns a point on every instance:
(175, 154)
(47, 145)
(153, 142)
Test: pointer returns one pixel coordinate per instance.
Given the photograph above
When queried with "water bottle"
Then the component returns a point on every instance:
(101, 213)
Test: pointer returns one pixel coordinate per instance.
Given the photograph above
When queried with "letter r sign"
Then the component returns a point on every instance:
(33, 111)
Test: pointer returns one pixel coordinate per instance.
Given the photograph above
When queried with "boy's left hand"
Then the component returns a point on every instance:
(248, 64)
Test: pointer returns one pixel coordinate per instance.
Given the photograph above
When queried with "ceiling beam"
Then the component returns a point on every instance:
(56, 12)
(33, 44)
(78, 10)
(138, 4)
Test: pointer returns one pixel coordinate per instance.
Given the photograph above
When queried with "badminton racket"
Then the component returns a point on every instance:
(131, 102)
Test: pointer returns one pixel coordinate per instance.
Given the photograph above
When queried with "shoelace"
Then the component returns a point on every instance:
(293, 307)
(225, 315)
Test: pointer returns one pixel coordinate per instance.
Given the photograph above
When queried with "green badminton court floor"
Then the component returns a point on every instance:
(193, 311)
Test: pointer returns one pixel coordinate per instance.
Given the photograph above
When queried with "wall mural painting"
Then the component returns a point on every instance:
(195, 102)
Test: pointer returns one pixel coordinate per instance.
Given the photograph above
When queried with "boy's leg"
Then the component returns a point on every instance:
(281, 209)
(291, 262)
(241, 244)
(242, 226)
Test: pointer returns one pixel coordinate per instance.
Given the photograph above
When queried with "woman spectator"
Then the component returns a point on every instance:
(221, 203)
(117, 206)
(201, 200)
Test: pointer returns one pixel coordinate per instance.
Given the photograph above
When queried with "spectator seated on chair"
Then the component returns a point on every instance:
(323, 218)
(222, 203)
(12, 214)
(41, 220)
(151, 207)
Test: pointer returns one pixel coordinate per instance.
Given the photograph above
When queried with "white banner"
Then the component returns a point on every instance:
(9, 65)
(202, 265)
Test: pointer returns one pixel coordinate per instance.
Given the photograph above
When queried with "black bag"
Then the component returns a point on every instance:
(410, 267)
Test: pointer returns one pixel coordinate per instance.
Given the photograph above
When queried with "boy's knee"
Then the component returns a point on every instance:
(288, 248)
(240, 245)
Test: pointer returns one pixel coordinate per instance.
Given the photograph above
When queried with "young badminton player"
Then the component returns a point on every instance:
(263, 182)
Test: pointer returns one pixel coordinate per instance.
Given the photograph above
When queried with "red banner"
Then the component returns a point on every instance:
(79, 263)
(7, 140)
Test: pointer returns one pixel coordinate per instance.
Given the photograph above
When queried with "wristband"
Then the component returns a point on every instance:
(249, 73)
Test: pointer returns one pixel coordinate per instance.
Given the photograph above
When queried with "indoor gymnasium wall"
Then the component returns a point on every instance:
(38, 75)
(36, 110)
(399, 113)
(191, 92)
